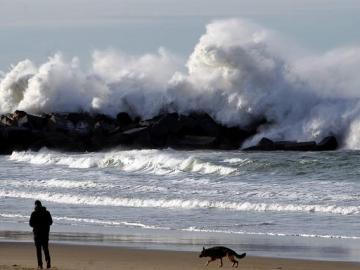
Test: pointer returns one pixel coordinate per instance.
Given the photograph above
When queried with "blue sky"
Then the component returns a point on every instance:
(38, 28)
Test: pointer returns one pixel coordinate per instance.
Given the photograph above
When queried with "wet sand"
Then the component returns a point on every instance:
(19, 255)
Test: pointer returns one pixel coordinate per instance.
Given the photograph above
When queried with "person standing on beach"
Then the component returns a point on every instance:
(41, 221)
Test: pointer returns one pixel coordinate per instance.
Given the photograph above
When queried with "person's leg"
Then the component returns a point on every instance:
(38, 253)
(47, 253)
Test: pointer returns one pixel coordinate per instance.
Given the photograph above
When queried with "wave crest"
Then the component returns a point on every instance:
(183, 204)
(148, 161)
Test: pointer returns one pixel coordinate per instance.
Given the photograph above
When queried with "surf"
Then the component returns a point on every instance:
(238, 72)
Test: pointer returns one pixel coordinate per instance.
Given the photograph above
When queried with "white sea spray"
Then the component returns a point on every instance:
(238, 72)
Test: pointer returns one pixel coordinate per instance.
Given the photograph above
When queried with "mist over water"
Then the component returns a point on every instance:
(238, 72)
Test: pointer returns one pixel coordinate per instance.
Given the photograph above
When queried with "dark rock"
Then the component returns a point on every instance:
(169, 123)
(206, 125)
(300, 146)
(164, 127)
(123, 119)
(104, 141)
(139, 136)
(85, 132)
(59, 122)
(83, 128)
(232, 137)
(104, 128)
(17, 135)
(79, 117)
(146, 123)
(196, 142)
(265, 144)
(104, 119)
(6, 120)
(82, 123)
(199, 124)
(19, 114)
(61, 141)
(328, 144)
(135, 131)
(104, 125)
(30, 121)
(15, 138)
(73, 123)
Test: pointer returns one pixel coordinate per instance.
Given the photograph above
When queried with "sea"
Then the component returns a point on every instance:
(279, 204)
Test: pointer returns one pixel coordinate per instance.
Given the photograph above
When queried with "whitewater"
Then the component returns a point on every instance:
(238, 72)
(189, 198)
(289, 204)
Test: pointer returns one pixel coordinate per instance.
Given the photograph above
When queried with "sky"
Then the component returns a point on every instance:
(37, 29)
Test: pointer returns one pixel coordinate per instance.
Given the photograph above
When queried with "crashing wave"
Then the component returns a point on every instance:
(237, 72)
(149, 161)
(183, 203)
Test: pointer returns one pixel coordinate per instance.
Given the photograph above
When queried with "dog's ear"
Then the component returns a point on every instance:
(203, 248)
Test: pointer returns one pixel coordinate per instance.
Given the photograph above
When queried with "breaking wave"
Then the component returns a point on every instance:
(149, 161)
(238, 72)
(182, 204)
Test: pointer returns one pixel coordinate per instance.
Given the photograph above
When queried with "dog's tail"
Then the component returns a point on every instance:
(240, 256)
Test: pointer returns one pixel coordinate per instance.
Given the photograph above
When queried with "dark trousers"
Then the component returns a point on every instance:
(44, 244)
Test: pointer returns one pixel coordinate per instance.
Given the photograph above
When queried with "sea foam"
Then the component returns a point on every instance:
(148, 161)
(178, 203)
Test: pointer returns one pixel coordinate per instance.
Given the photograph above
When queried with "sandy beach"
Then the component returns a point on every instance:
(19, 255)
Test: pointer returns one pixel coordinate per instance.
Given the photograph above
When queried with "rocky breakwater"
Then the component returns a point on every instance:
(80, 132)
(327, 144)
(93, 132)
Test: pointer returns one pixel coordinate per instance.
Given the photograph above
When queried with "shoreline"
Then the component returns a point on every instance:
(297, 248)
(19, 255)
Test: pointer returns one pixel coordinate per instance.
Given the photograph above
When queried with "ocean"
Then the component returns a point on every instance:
(283, 204)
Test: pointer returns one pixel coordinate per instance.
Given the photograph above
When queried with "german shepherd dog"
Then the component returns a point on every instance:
(219, 253)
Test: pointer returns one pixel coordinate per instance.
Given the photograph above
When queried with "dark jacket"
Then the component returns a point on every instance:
(41, 221)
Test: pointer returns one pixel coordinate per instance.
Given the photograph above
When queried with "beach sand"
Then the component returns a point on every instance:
(19, 255)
